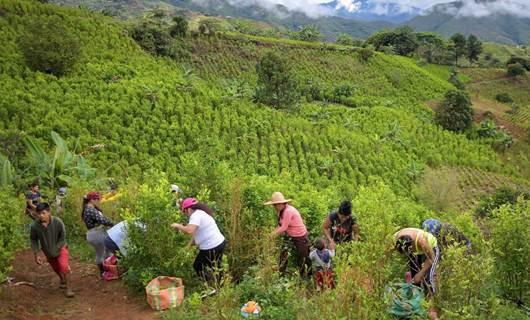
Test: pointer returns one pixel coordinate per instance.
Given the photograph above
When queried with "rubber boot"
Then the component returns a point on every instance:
(101, 270)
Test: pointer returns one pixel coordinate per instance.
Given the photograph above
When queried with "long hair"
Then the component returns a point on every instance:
(85, 202)
(203, 207)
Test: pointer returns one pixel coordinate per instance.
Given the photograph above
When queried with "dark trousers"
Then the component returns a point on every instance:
(301, 244)
(111, 245)
(415, 264)
(207, 260)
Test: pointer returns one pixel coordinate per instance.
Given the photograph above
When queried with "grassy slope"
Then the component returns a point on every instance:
(146, 121)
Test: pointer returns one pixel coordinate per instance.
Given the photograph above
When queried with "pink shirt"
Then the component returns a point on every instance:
(291, 222)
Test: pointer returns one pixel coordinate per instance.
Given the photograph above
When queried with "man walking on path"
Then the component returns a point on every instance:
(48, 234)
(33, 197)
(290, 221)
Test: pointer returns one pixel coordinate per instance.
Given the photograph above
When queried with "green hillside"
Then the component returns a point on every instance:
(191, 120)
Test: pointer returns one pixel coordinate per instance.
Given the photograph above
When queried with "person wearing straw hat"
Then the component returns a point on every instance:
(290, 221)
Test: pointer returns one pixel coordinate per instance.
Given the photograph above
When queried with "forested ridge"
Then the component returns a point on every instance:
(361, 130)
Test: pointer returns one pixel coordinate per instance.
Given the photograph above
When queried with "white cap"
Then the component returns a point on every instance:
(175, 188)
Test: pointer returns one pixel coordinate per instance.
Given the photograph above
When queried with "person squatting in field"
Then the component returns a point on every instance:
(340, 226)
(49, 235)
(290, 221)
(206, 236)
(446, 234)
(423, 254)
(95, 220)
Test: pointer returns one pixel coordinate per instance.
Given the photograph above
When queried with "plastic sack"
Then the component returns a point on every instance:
(250, 309)
(404, 300)
(164, 292)
(110, 268)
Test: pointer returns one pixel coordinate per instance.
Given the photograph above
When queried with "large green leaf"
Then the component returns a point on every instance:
(7, 171)
(37, 155)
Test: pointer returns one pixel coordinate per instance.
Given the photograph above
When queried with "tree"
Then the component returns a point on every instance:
(459, 46)
(308, 32)
(180, 28)
(276, 85)
(50, 46)
(347, 40)
(430, 46)
(455, 113)
(402, 39)
(474, 48)
(152, 38)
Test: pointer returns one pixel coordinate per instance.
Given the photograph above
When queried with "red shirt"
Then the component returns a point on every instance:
(291, 221)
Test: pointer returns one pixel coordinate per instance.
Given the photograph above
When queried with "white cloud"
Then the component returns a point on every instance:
(470, 8)
(519, 8)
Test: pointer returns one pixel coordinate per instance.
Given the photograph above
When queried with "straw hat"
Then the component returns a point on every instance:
(277, 197)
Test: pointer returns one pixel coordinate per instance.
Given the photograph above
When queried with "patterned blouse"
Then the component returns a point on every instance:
(93, 217)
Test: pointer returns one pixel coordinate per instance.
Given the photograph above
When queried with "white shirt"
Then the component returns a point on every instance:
(118, 233)
(207, 235)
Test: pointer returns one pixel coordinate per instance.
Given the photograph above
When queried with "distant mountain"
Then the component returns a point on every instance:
(367, 10)
(499, 26)
(280, 15)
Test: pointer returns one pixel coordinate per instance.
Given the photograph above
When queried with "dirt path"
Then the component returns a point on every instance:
(94, 298)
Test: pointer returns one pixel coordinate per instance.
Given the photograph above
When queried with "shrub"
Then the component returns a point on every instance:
(502, 196)
(365, 54)
(277, 86)
(50, 46)
(511, 241)
(11, 228)
(152, 38)
(523, 61)
(439, 189)
(515, 69)
(307, 33)
(180, 28)
(455, 113)
(453, 79)
(348, 40)
(503, 97)
(159, 250)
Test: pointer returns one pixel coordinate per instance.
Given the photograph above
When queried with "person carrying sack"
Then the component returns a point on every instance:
(95, 220)
(290, 221)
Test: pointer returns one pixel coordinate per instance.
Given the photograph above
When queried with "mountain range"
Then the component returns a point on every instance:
(501, 21)
(367, 10)
(502, 26)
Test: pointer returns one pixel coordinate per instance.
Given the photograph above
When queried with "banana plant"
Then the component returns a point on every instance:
(62, 165)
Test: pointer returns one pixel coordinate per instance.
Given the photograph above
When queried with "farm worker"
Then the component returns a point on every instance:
(340, 226)
(112, 194)
(48, 234)
(290, 221)
(207, 237)
(176, 193)
(95, 220)
(446, 234)
(59, 200)
(321, 258)
(33, 197)
(117, 237)
(421, 249)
